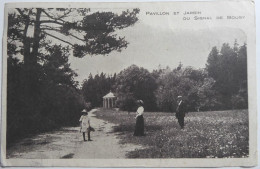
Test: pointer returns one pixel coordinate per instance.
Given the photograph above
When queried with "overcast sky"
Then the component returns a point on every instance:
(150, 45)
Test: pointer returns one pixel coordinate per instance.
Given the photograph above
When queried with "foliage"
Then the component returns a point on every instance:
(94, 89)
(209, 99)
(188, 82)
(135, 83)
(228, 67)
(127, 102)
(59, 102)
(99, 28)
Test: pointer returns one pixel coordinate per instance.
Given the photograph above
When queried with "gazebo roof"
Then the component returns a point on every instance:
(109, 95)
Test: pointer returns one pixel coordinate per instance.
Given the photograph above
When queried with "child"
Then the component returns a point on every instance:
(85, 124)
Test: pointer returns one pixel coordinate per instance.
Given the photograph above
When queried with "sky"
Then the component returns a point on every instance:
(151, 46)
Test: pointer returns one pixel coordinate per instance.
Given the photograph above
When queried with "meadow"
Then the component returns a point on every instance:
(212, 134)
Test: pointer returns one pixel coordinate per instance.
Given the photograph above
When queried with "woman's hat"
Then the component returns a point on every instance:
(140, 102)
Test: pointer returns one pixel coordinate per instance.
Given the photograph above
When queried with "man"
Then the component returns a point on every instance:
(180, 111)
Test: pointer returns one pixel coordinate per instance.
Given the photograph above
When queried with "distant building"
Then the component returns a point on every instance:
(109, 100)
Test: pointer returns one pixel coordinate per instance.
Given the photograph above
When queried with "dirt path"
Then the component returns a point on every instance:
(68, 143)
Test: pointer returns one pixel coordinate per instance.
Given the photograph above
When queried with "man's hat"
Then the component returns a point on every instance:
(84, 111)
(179, 97)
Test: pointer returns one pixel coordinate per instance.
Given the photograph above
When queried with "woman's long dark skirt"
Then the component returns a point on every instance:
(139, 126)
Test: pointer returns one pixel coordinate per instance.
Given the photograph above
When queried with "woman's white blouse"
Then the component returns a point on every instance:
(140, 111)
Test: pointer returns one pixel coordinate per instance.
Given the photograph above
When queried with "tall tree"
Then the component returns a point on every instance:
(28, 29)
(228, 67)
(135, 83)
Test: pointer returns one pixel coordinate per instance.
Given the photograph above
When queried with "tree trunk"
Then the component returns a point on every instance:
(26, 40)
(31, 70)
(36, 37)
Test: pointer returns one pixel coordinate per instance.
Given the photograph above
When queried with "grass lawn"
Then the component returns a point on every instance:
(214, 134)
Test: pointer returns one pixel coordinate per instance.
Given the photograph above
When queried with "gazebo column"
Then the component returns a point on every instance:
(108, 102)
(105, 102)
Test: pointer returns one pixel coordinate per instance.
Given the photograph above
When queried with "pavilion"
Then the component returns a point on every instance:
(109, 100)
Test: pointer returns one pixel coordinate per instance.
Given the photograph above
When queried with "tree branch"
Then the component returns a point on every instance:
(58, 38)
(59, 18)
(47, 14)
(51, 29)
(51, 21)
(76, 37)
(58, 30)
(65, 15)
(27, 22)
(21, 13)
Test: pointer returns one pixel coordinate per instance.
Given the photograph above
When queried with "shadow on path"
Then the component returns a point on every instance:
(68, 143)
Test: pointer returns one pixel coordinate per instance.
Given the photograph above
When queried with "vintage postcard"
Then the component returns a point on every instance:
(129, 84)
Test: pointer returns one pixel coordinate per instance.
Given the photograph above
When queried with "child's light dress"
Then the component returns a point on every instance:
(84, 123)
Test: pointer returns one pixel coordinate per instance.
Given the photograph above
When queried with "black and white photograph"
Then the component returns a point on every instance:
(128, 81)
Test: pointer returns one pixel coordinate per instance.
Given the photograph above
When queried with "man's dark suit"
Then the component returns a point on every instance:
(180, 113)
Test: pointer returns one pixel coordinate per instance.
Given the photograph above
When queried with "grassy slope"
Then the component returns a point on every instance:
(206, 134)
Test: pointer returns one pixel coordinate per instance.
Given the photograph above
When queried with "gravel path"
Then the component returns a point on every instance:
(68, 143)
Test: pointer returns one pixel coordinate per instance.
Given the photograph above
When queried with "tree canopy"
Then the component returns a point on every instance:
(135, 83)
(96, 30)
(228, 67)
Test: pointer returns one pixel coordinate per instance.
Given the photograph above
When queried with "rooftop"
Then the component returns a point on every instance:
(109, 95)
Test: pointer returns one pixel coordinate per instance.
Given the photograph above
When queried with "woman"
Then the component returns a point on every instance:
(139, 126)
